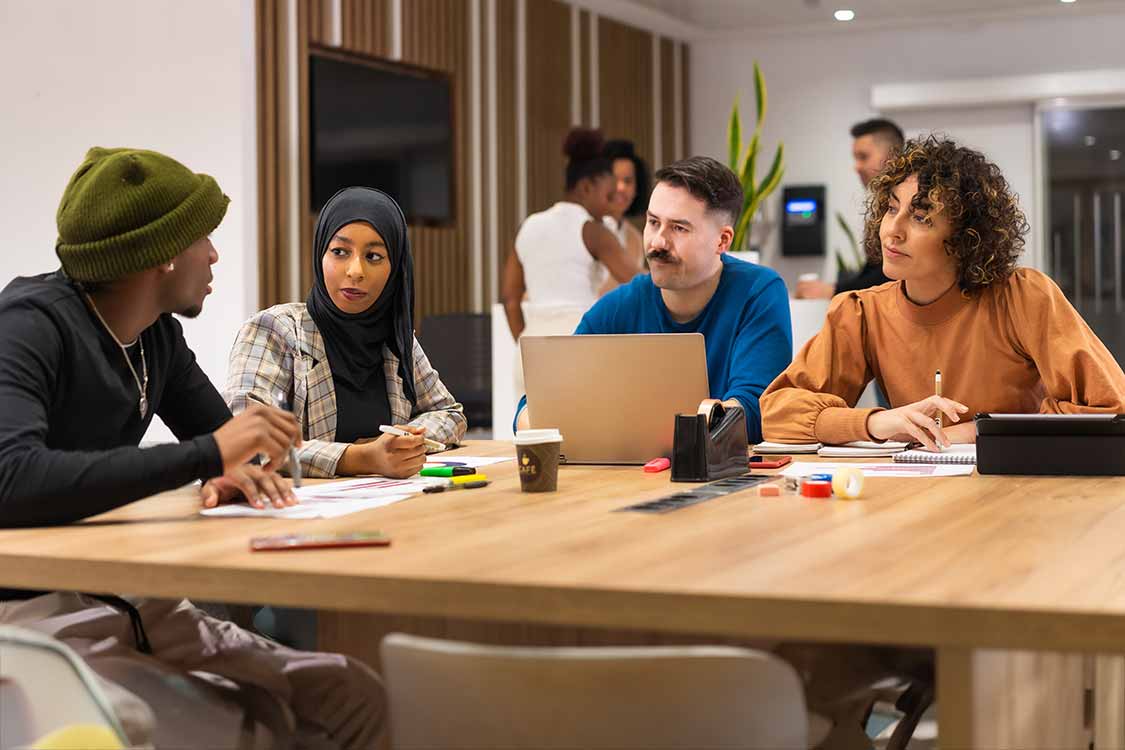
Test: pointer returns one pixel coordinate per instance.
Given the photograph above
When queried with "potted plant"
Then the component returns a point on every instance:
(743, 162)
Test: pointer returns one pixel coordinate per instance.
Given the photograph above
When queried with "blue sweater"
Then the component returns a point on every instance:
(745, 326)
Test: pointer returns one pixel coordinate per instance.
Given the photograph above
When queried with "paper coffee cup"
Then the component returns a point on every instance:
(537, 457)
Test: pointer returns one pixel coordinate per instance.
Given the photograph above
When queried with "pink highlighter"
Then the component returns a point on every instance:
(657, 465)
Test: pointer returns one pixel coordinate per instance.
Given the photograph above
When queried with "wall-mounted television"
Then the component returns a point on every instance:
(385, 126)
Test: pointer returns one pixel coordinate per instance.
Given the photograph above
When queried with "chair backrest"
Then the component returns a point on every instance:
(447, 694)
(459, 346)
(44, 687)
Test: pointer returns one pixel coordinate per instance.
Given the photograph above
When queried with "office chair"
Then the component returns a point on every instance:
(45, 688)
(459, 346)
(449, 694)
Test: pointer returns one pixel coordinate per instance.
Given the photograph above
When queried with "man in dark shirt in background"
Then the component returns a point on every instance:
(87, 355)
(874, 141)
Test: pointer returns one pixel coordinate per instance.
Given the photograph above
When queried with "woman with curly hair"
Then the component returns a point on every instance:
(629, 201)
(949, 231)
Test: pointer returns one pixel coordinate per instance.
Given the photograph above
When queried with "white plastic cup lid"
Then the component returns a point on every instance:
(534, 437)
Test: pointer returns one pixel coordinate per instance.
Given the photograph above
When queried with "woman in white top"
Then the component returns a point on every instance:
(559, 252)
(630, 200)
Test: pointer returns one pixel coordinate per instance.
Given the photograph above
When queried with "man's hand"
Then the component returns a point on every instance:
(915, 422)
(258, 430)
(392, 456)
(258, 486)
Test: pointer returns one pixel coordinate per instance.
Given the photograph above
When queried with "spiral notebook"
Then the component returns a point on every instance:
(958, 453)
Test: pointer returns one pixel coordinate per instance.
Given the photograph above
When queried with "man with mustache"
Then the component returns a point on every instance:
(694, 286)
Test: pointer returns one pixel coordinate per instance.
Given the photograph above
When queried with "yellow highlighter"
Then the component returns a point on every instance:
(469, 478)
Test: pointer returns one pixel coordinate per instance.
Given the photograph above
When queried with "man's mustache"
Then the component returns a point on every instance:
(660, 255)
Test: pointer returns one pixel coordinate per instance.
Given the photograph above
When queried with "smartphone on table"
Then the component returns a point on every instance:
(769, 462)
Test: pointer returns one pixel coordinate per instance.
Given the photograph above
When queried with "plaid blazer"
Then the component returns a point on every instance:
(281, 351)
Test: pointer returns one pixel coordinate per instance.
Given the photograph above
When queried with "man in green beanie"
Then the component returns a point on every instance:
(88, 355)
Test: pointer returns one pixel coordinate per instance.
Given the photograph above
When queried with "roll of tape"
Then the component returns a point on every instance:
(816, 489)
(848, 483)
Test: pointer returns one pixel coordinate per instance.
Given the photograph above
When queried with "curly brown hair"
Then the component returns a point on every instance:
(988, 225)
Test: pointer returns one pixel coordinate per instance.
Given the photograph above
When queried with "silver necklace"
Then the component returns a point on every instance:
(142, 387)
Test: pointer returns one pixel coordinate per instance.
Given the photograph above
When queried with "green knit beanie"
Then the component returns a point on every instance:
(127, 210)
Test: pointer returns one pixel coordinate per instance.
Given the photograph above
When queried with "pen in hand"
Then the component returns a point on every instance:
(294, 464)
(937, 392)
(431, 444)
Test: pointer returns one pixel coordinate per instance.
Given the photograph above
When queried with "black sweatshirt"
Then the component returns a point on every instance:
(865, 278)
(69, 418)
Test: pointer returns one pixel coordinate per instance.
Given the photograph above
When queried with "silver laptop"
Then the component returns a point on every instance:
(614, 398)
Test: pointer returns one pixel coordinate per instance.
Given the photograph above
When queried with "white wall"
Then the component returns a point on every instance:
(168, 75)
(820, 84)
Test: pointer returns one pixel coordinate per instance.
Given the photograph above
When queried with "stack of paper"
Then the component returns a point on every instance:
(862, 449)
(958, 453)
(801, 470)
(334, 499)
(768, 448)
(857, 449)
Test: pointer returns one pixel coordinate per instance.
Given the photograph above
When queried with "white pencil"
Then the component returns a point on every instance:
(433, 444)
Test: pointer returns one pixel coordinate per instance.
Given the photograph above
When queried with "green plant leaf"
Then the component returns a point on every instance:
(770, 182)
(741, 230)
(734, 136)
(749, 164)
(759, 94)
(856, 254)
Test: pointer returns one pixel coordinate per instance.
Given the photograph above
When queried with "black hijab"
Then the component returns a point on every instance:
(354, 342)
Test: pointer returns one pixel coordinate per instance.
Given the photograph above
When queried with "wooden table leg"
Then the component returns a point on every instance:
(1109, 702)
(1010, 699)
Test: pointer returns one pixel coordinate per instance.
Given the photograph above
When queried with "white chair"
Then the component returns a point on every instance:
(45, 687)
(447, 694)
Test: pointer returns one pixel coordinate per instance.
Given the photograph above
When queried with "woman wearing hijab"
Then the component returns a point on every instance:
(346, 361)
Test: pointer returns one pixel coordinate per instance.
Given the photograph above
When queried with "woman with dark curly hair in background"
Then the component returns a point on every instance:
(949, 231)
(630, 200)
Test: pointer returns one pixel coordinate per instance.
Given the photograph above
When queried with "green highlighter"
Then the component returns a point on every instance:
(447, 471)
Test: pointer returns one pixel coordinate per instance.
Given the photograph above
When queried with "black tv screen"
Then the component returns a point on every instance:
(387, 127)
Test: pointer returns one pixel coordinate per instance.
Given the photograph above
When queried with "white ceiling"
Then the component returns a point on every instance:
(725, 16)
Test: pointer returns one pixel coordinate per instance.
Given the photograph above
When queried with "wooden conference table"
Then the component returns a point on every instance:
(974, 567)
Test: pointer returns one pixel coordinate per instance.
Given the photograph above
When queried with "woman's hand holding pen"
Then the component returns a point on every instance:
(915, 422)
(392, 456)
(258, 430)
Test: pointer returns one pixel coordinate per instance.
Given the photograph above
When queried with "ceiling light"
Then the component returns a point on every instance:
(1066, 1)
(844, 15)
(1114, 154)
(1089, 140)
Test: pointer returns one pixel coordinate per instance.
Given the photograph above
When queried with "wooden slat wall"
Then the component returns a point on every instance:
(685, 104)
(507, 175)
(435, 35)
(364, 25)
(585, 61)
(273, 180)
(668, 111)
(625, 84)
(548, 100)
